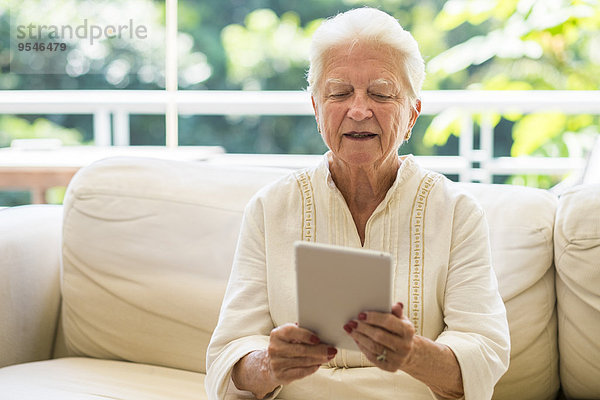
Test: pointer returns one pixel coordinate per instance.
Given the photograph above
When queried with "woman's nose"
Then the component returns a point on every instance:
(360, 108)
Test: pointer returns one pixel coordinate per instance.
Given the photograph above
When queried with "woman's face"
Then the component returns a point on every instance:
(361, 108)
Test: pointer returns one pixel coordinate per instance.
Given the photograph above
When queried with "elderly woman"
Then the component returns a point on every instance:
(451, 339)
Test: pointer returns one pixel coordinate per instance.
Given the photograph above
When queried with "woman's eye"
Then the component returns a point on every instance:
(380, 96)
(340, 94)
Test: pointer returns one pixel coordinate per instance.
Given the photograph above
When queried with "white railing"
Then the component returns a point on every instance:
(104, 104)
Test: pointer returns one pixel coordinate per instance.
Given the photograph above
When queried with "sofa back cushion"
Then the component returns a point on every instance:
(577, 257)
(147, 250)
(521, 222)
(29, 282)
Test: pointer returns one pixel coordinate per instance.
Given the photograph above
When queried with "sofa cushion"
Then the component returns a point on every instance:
(577, 257)
(521, 222)
(86, 378)
(147, 250)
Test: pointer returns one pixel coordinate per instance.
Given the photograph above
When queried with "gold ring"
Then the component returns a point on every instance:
(382, 356)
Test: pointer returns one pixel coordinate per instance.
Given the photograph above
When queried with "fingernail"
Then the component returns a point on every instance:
(353, 324)
(347, 328)
(331, 352)
(401, 305)
(362, 316)
(314, 339)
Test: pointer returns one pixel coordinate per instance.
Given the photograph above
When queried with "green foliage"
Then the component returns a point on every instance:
(446, 123)
(451, 122)
(532, 131)
(14, 198)
(260, 49)
(56, 195)
(17, 128)
(538, 181)
(523, 45)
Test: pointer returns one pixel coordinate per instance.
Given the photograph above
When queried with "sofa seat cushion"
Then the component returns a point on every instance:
(521, 221)
(86, 378)
(577, 257)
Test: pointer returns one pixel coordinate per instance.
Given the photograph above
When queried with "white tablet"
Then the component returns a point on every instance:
(336, 283)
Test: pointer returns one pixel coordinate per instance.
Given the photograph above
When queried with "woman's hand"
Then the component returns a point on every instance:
(386, 339)
(389, 342)
(293, 353)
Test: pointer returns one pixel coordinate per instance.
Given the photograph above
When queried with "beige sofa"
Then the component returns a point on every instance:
(115, 294)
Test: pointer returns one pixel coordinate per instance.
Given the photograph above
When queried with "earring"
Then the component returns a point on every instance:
(407, 136)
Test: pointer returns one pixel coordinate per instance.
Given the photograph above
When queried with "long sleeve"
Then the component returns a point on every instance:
(477, 328)
(245, 321)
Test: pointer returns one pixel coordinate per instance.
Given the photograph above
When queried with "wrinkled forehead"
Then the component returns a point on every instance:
(381, 62)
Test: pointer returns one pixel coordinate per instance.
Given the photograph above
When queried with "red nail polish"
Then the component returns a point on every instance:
(347, 328)
(314, 339)
(353, 324)
(362, 316)
(331, 351)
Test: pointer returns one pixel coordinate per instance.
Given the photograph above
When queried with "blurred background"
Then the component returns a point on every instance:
(258, 45)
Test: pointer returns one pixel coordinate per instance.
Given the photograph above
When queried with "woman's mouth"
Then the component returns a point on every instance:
(360, 135)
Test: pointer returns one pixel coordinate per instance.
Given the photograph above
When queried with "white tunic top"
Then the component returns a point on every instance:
(438, 239)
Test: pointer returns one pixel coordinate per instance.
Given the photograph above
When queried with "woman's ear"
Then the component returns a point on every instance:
(315, 109)
(415, 112)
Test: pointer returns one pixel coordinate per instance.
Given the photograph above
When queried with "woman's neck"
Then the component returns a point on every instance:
(363, 187)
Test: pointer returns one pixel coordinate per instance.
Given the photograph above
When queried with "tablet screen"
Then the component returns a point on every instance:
(335, 283)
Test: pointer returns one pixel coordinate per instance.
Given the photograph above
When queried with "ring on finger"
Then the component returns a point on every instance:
(383, 356)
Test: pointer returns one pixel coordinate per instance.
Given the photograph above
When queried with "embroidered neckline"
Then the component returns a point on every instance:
(416, 262)
(309, 223)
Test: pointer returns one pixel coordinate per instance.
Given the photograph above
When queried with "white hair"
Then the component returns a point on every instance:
(367, 25)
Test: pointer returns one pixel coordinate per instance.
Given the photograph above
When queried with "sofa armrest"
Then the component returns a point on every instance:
(30, 239)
